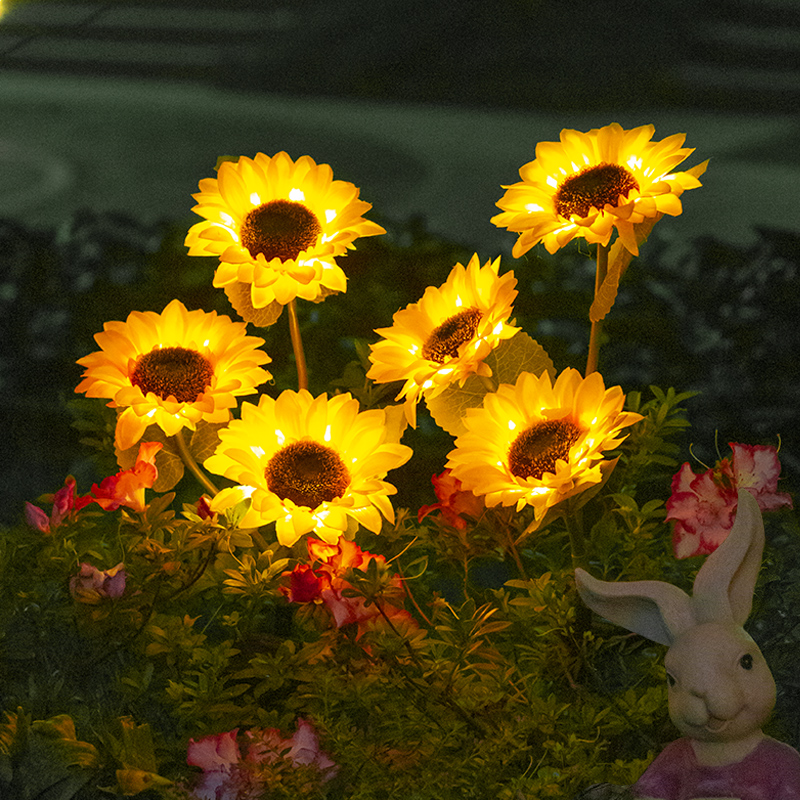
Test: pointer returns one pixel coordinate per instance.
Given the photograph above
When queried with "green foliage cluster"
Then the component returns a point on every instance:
(501, 686)
(496, 682)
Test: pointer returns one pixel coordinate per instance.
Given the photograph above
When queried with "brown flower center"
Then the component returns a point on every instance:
(176, 371)
(536, 450)
(280, 228)
(445, 340)
(595, 186)
(307, 473)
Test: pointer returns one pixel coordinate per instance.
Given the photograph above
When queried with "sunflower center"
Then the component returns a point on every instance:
(307, 473)
(595, 186)
(176, 371)
(279, 229)
(445, 340)
(536, 450)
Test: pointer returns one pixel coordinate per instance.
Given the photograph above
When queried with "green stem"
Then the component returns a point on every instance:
(597, 327)
(577, 541)
(188, 459)
(297, 346)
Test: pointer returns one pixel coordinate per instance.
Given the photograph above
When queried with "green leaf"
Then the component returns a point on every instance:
(507, 361)
(137, 746)
(205, 439)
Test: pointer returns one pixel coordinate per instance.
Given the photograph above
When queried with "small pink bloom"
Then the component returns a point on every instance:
(453, 501)
(267, 746)
(757, 469)
(203, 507)
(36, 518)
(91, 585)
(65, 503)
(218, 751)
(703, 507)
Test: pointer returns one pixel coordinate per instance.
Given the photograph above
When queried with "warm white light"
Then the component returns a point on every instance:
(532, 207)
(328, 237)
(280, 436)
(298, 195)
(327, 436)
(255, 199)
(551, 181)
(257, 451)
(330, 214)
(512, 425)
(498, 329)
(634, 162)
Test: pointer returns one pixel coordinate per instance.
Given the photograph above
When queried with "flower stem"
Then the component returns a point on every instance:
(594, 336)
(297, 346)
(193, 466)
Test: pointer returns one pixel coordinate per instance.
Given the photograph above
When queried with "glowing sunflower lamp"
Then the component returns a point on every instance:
(537, 443)
(173, 370)
(590, 184)
(308, 465)
(277, 226)
(446, 336)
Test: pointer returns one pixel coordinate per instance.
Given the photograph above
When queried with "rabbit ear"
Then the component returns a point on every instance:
(654, 609)
(723, 588)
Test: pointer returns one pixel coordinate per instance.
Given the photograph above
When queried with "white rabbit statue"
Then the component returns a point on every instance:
(721, 691)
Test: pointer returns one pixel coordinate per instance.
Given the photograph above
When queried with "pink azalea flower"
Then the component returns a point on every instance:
(92, 585)
(703, 506)
(453, 501)
(228, 776)
(65, 504)
(302, 748)
(218, 756)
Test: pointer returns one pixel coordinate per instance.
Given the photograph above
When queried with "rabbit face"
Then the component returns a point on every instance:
(720, 687)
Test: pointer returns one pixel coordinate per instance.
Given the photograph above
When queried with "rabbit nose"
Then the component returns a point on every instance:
(718, 704)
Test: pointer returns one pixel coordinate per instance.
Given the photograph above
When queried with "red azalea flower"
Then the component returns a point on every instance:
(703, 506)
(334, 562)
(305, 585)
(126, 488)
(453, 501)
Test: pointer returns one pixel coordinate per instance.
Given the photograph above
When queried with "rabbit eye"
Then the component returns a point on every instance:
(746, 661)
(670, 680)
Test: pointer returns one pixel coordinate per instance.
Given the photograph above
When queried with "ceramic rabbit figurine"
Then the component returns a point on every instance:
(720, 688)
